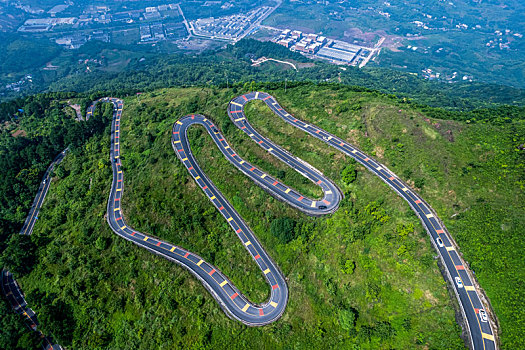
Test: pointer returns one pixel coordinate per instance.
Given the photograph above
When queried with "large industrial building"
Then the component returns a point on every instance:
(338, 54)
(319, 46)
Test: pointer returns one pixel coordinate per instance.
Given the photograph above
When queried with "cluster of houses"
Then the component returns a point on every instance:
(299, 41)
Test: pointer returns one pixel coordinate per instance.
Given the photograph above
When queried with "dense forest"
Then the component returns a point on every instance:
(19, 53)
(495, 114)
(29, 140)
(376, 285)
(45, 130)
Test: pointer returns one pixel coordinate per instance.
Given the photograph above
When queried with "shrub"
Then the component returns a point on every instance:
(348, 267)
(349, 173)
(283, 229)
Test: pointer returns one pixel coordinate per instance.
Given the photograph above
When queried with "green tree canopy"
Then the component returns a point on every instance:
(19, 257)
(349, 173)
(347, 318)
(283, 229)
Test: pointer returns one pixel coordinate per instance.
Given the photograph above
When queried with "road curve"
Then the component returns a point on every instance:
(16, 299)
(224, 291)
(230, 298)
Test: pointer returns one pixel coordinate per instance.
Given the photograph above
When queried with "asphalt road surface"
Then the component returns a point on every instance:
(459, 276)
(27, 229)
(230, 298)
(16, 299)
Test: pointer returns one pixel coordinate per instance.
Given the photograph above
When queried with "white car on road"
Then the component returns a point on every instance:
(483, 315)
(459, 282)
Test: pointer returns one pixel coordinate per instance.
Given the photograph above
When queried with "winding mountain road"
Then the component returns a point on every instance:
(230, 298)
(235, 304)
(479, 327)
(16, 299)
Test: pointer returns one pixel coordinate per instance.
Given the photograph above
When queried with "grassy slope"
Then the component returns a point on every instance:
(124, 297)
(472, 176)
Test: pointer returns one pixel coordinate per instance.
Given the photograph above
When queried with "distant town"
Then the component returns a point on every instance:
(167, 22)
(229, 28)
(149, 24)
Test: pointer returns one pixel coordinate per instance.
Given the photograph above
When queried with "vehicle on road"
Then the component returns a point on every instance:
(439, 242)
(322, 207)
(483, 315)
(215, 130)
(459, 282)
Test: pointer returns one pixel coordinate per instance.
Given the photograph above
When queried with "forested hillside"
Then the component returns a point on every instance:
(364, 277)
(19, 53)
(143, 70)
(233, 65)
